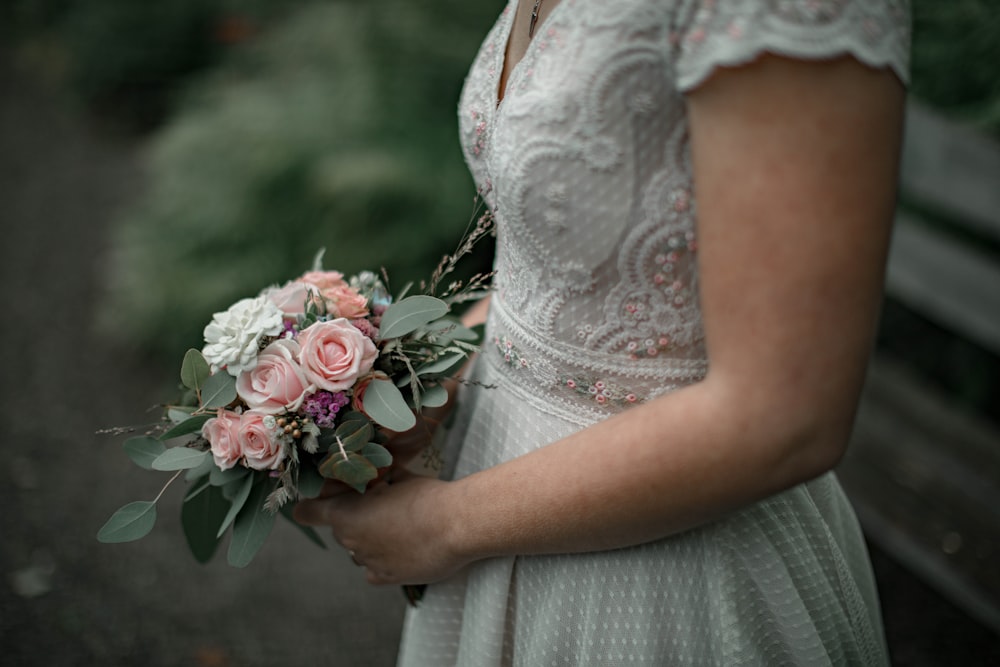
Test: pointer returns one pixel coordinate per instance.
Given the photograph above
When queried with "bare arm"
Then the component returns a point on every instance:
(795, 165)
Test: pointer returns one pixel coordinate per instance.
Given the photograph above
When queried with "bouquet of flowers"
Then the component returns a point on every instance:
(295, 386)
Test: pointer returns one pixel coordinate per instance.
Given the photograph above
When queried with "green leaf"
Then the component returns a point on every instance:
(286, 511)
(238, 500)
(443, 364)
(353, 435)
(143, 450)
(451, 329)
(385, 404)
(220, 477)
(186, 427)
(377, 455)
(310, 481)
(409, 314)
(203, 469)
(219, 391)
(194, 370)
(129, 523)
(201, 515)
(355, 471)
(177, 414)
(252, 526)
(434, 396)
(179, 458)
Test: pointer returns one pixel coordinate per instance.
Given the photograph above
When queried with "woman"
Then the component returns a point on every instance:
(693, 200)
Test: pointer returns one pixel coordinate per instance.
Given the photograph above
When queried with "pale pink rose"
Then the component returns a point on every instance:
(260, 448)
(222, 433)
(344, 301)
(277, 383)
(322, 280)
(290, 298)
(335, 354)
(340, 298)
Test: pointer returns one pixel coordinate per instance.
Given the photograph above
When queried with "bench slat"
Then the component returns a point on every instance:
(952, 167)
(946, 281)
(924, 480)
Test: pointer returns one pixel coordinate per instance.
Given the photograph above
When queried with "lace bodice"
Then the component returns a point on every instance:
(586, 163)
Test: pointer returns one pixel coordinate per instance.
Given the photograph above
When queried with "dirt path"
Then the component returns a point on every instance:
(65, 599)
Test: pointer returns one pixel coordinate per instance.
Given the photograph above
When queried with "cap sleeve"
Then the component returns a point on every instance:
(714, 33)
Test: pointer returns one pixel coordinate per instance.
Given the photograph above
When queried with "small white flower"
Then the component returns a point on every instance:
(233, 337)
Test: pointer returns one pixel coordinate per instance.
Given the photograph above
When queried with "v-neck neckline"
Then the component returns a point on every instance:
(508, 29)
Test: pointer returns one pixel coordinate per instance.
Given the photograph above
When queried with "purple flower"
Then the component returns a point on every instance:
(323, 407)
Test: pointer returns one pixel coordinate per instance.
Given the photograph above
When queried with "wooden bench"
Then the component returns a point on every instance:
(922, 471)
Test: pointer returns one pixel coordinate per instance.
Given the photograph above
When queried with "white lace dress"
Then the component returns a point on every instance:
(586, 163)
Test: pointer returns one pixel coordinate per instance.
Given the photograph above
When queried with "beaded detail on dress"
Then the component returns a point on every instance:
(587, 165)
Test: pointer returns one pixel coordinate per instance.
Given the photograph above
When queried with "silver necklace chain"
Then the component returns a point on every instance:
(534, 18)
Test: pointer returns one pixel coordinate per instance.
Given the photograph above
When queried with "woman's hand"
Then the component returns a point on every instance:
(398, 531)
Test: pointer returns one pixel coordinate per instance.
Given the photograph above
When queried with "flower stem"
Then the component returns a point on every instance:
(169, 482)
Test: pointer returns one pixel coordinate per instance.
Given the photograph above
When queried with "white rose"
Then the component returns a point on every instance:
(232, 338)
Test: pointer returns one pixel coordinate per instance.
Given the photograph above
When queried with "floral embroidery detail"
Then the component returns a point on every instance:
(602, 392)
(511, 355)
(478, 143)
(649, 347)
(668, 277)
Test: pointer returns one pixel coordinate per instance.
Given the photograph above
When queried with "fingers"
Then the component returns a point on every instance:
(333, 487)
(316, 512)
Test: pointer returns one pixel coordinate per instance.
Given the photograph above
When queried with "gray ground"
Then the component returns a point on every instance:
(65, 599)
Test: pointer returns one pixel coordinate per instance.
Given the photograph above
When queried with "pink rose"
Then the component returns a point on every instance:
(260, 448)
(344, 301)
(358, 398)
(341, 299)
(277, 383)
(335, 354)
(290, 298)
(222, 433)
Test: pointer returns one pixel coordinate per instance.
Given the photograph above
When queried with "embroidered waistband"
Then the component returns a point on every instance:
(589, 384)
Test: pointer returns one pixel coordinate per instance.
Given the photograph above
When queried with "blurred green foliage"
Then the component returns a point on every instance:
(129, 59)
(334, 129)
(956, 59)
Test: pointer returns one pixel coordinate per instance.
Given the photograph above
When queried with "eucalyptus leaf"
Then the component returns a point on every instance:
(197, 487)
(219, 391)
(177, 413)
(252, 526)
(194, 370)
(310, 481)
(220, 477)
(230, 489)
(442, 364)
(186, 427)
(203, 469)
(286, 511)
(377, 455)
(201, 515)
(179, 458)
(353, 435)
(434, 396)
(409, 314)
(385, 404)
(143, 450)
(129, 523)
(354, 470)
(451, 330)
(238, 500)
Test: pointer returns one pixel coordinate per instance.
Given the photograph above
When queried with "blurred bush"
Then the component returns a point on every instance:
(956, 59)
(128, 59)
(334, 129)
